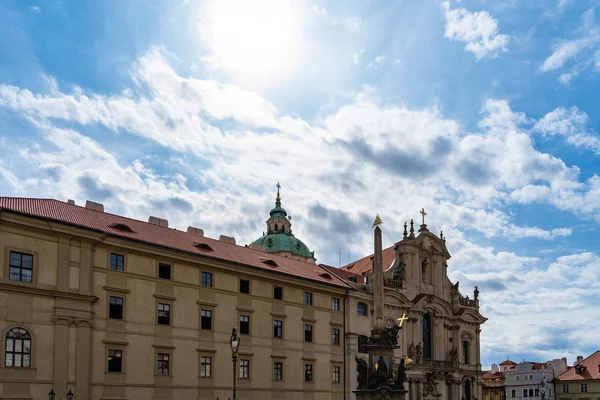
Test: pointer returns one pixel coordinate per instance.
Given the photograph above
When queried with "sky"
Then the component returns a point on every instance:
(485, 113)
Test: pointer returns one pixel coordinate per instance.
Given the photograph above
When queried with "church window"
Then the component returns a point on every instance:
(427, 336)
(467, 389)
(18, 348)
(362, 343)
(466, 355)
(361, 309)
(276, 228)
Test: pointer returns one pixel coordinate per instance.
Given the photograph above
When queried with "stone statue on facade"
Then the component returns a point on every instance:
(362, 369)
(381, 374)
(424, 270)
(455, 288)
(411, 350)
(476, 294)
(454, 355)
(401, 377)
(419, 351)
(430, 385)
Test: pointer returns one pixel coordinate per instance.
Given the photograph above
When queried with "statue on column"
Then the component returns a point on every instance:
(454, 355)
(476, 294)
(401, 378)
(411, 350)
(362, 369)
(382, 372)
(419, 351)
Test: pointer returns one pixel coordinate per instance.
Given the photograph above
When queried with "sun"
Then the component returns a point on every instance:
(257, 40)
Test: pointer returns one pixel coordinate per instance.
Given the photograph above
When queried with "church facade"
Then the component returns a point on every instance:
(113, 308)
(441, 337)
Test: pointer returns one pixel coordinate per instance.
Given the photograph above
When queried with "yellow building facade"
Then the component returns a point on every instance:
(112, 308)
(580, 382)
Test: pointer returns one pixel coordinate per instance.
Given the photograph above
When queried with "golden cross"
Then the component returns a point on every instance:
(278, 198)
(423, 213)
(404, 318)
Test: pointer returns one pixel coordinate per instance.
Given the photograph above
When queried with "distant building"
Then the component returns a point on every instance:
(524, 381)
(493, 384)
(582, 381)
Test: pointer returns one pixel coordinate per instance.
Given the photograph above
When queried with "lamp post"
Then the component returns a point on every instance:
(52, 395)
(235, 345)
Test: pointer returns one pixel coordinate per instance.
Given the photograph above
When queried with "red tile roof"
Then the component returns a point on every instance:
(591, 369)
(366, 264)
(508, 362)
(488, 376)
(346, 275)
(99, 221)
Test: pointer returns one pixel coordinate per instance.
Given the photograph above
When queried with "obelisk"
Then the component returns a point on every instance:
(378, 275)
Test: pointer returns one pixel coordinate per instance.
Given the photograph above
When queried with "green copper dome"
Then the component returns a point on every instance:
(279, 236)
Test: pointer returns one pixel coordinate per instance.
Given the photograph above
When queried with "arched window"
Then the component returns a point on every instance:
(427, 336)
(275, 227)
(18, 348)
(361, 309)
(467, 389)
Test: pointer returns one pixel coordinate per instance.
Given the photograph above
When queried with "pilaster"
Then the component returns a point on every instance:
(61, 353)
(83, 359)
(64, 267)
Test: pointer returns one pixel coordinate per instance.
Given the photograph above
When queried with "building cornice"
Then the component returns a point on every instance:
(14, 287)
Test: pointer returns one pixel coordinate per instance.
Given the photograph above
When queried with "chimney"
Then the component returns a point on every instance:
(257, 247)
(195, 231)
(158, 221)
(579, 359)
(227, 239)
(92, 205)
(71, 202)
(494, 369)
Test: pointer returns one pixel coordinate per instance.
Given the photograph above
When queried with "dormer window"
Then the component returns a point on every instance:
(122, 227)
(325, 275)
(353, 278)
(578, 369)
(203, 247)
(270, 263)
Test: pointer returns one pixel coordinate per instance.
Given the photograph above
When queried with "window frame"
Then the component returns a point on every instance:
(20, 267)
(240, 286)
(336, 370)
(308, 298)
(117, 255)
(110, 307)
(161, 363)
(169, 313)
(22, 335)
(514, 393)
(309, 371)
(584, 386)
(335, 336)
(277, 329)
(275, 293)
(245, 324)
(306, 333)
(161, 269)
(206, 361)
(244, 370)
(360, 305)
(210, 316)
(565, 386)
(335, 304)
(466, 350)
(277, 371)
(121, 351)
(209, 278)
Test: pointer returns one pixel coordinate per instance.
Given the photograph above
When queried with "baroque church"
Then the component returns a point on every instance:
(107, 307)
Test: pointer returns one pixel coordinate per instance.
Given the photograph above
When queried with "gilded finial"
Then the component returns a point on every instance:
(278, 187)
(377, 221)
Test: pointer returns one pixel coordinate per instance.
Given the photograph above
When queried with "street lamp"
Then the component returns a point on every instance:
(51, 394)
(70, 395)
(235, 345)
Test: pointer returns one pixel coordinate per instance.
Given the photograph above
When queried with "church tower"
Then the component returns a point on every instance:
(279, 238)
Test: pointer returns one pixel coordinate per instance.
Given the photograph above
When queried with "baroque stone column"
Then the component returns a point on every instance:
(61, 352)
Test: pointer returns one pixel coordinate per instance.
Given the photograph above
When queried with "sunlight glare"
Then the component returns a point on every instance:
(256, 39)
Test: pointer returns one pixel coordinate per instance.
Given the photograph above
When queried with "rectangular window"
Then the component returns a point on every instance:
(530, 377)
(278, 293)
(335, 336)
(584, 388)
(278, 329)
(164, 314)
(115, 307)
(517, 377)
(117, 262)
(21, 267)
(537, 392)
(335, 304)
(308, 372)
(205, 367)
(308, 333)
(361, 309)
(524, 392)
(244, 325)
(206, 320)
(162, 364)
(164, 271)
(244, 369)
(277, 371)
(514, 393)
(336, 374)
(244, 286)
(565, 388)
(307, 299)
(206, 279)
(530, 392)
(115, 361)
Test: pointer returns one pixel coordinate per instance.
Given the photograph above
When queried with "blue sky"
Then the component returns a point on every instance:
(483, 112)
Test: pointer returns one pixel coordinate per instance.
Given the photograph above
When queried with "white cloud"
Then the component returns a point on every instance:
(570, 123)
(478, 29)
(376, 61)
(35, 9)
(564, 52)
(350, 23)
